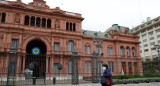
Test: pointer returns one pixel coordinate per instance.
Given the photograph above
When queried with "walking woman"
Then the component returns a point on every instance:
(106, 77)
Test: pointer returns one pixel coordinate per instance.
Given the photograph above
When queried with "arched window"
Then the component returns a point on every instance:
(133, 52)
(127, 51)
(74, 27)
(43, 22)
(3, 19)
(38, 22)
(70, 26)
(26, 22)
(69, 66)
(122, 51)
(49, 23)
(70, 46)
(67, 26)
(32, 21)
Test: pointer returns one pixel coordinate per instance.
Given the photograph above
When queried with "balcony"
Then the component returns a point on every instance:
(146, 25)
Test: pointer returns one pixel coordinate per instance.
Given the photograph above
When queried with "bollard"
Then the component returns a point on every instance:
(54, 80)
(34, 80)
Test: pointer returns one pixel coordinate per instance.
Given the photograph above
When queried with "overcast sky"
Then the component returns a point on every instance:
(101, 14)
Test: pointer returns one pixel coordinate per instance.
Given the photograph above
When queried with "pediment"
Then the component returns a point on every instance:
(39, 4)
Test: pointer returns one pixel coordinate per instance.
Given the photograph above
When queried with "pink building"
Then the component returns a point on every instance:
(47, 37)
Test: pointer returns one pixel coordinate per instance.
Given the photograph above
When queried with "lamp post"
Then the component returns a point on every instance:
(157, 46)
(98, 43)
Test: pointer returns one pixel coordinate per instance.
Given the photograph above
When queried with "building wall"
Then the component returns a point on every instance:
(14, 28)
(149, 34)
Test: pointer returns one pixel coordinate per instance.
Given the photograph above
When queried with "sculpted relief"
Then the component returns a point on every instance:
(57, 23)
(17, 18)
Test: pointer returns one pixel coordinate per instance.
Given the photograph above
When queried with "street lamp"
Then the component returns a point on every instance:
(157, 46)
(98, 43)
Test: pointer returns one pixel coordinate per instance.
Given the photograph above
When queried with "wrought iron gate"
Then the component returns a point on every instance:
(12, 66)
(75, 76)
(94, 61)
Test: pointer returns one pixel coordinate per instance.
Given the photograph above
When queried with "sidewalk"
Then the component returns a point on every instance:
(97, 84)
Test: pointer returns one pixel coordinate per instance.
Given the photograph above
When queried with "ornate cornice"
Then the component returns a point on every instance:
(53, 12)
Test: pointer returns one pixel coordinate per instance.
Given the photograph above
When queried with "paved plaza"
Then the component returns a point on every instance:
(97, 84)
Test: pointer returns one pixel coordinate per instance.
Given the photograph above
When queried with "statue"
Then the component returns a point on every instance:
(57, 23)
(18, 0)
(17, 18)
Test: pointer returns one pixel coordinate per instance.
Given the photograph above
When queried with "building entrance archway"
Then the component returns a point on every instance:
(36, 58)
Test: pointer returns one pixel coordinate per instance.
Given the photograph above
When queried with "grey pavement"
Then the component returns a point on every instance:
(97, 84)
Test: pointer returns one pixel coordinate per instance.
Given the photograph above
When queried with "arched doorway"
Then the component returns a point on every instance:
(36, 58)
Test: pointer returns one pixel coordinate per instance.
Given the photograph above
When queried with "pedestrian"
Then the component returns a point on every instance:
(106, 77)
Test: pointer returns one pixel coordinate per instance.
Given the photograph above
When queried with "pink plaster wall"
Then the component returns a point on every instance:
(11, 30)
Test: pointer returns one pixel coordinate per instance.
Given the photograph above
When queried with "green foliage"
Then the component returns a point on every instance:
(135, 76)
(126, 76)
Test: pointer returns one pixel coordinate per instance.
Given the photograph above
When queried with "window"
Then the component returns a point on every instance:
(32, 21)
(110, 51)
(146, 50)
(74, 27)
(144, 40)
(133, 52)
(150, 33)
(122, 51)
(158, 36)
(56, 46)
(26, 22)
(106, 35)
(67, 26)
(43, 22)
(70, 66)
(143, 36)
(3, 19)
(146, 45)
(56, 71)
(85, 49)
(88, 49)
(157, 31)
(127, 51)
(12, 67)
(84, 32)
(49, 23)
(70, 46)
(153, 48)
(151, 38)
(38, 21)
(89, 67)
(100, 67)
(95, 34)
(86, 69)
(15, 43)
(152, 43)
(111, 66)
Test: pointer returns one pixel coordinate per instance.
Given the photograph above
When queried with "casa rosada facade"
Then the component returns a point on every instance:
(36, 29)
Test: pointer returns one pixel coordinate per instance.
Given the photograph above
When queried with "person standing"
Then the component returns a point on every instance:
(106, 77)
